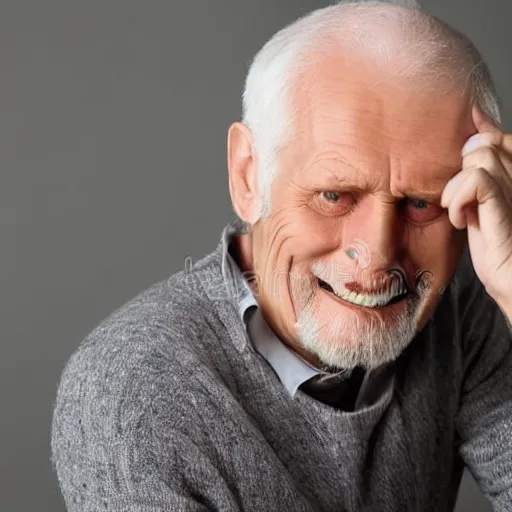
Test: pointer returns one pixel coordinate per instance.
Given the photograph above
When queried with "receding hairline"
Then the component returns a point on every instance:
(407, 43)
(410, 42)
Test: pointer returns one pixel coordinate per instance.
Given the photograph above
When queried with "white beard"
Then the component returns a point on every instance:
(347, 341)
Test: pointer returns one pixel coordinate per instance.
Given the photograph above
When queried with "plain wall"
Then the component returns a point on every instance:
(113, 123)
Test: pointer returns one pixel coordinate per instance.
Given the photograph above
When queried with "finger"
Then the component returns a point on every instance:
(472, 186)
(506, 160)
(483, 123)
(451, 188)
(481, 140)
(490, 159)
(506, 144)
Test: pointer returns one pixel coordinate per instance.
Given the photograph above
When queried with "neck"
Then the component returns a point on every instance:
(241, 251)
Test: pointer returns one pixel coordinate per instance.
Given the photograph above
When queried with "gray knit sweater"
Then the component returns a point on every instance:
(166, 406)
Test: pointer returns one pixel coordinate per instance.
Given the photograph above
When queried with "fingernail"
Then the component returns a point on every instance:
(477, 141)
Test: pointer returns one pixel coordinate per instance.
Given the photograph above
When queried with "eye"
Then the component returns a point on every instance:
(333, 203)
(421, 211)
(418, 204)
(332, 197)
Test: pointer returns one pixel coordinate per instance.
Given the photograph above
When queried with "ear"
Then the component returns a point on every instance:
(243, 173)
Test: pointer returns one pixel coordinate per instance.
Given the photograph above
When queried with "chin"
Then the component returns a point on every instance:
(345, 334)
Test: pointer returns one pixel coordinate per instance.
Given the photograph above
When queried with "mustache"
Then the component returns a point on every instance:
(421, 284)
(423, 281)
(392, 279)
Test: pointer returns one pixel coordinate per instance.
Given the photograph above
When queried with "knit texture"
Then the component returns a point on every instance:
(166, 406)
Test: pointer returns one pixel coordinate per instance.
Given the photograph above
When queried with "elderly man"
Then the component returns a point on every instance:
(347, 346)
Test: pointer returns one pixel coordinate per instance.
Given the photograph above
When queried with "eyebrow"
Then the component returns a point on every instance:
(431, 194)
(330, 178)
(428, 196)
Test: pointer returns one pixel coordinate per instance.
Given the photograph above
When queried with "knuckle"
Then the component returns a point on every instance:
(485, 157)
(488, 152)
(482, 174)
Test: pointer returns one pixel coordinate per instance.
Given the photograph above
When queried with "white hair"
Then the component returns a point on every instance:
(447, 57)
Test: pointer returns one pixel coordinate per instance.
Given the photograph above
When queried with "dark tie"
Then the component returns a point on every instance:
(338, 390)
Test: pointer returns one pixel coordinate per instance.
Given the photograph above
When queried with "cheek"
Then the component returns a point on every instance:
(314, 235)
(277, 243)
(310, 234)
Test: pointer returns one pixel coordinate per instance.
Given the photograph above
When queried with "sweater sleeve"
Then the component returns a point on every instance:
(123, 430)
(484, 420)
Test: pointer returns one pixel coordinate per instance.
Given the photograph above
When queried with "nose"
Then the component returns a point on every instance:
(375, 234)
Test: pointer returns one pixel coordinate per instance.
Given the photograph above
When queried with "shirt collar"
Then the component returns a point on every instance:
(291, 369)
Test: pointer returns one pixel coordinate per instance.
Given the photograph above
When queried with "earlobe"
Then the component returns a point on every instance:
(243, 178)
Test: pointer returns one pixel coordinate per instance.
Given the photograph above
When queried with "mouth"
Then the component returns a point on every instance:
(395, 294)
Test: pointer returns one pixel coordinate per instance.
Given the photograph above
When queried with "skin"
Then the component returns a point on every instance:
(479, 199)
(367, 167)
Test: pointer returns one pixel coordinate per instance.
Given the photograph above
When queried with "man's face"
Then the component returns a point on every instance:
(357, 250)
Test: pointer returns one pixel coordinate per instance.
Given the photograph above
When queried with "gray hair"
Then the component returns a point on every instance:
(447, 57)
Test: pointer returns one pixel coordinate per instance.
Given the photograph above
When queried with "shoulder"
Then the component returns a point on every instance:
(156, 321)
(144, 371)
(168, 319)
(152, 345)
(131, 397)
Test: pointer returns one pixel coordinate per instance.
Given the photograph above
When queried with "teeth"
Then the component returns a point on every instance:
(369, 301)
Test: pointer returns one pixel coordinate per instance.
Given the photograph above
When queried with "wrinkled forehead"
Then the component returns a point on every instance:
(344, 100)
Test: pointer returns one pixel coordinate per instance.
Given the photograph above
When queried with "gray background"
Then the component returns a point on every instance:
(112, 154)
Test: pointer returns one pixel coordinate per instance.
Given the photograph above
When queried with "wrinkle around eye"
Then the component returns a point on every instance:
(430, 213)
(322, 205)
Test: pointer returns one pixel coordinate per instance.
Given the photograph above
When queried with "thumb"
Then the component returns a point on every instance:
(483, 123)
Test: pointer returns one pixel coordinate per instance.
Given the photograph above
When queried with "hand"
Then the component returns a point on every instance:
(479, 198)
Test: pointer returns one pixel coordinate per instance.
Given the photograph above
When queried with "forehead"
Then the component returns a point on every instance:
(348, 106)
